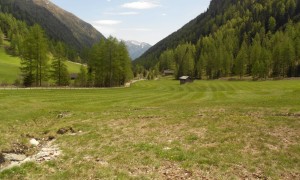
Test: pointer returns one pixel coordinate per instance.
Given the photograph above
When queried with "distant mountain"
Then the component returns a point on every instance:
(136, 49)
(58, 23)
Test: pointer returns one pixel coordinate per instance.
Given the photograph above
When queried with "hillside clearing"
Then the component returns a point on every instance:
(158, 130)
(10, 67)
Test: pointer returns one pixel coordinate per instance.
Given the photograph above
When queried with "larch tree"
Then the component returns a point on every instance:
(59, 72)
(241, 60)
(109, 64)
(81, 80)
(34, 59)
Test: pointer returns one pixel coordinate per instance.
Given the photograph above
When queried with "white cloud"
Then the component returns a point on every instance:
(136, 29)
(163, 14)
(129, 13)
(106, 22)
(106, 31)
(122, 13)
(142, 4)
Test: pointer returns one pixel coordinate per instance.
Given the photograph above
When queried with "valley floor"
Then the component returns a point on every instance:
(157, 130)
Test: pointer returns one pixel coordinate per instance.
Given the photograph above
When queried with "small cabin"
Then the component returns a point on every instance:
(185, 79)
(73, 76)
(168, 72)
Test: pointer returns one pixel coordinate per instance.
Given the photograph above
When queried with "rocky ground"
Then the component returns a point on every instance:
(46, 152)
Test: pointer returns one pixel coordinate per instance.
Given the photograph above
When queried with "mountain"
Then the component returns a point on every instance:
(58, 23)
(136, 49)
(247, 16)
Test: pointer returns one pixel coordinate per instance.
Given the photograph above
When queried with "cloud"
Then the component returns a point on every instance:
(129, 13)
(163, 14)
(137, 29)
(106, 31)
(142, 4)
(106, 22)
(122, 13)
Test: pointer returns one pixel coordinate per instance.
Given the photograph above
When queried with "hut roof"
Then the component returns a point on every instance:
(184, 77)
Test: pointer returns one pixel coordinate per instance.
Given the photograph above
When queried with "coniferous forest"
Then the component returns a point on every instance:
(42, 59)
(233, 38)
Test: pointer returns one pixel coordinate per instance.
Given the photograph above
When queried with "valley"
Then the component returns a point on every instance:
(158, 130)
(219, 98)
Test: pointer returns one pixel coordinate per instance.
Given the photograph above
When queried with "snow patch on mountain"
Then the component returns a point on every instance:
(136, 49)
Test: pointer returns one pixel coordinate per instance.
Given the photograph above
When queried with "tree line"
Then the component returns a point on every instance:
(236, 38)
(222, 55)
(44, 60)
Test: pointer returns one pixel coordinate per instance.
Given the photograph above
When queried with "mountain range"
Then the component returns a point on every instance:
(136, 49)
(58, 23)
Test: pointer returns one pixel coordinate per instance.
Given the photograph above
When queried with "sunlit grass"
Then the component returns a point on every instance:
(159, 129)
(10, 67)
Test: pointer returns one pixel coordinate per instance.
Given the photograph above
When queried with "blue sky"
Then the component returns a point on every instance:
(141, 20)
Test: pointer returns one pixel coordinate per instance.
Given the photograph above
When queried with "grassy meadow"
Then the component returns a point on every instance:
(10, 66)
(159, 130)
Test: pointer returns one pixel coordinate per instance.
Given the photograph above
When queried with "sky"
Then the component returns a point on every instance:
(142, 20)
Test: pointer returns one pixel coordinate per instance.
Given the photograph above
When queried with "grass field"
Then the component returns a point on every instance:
(10, 67)
(160, 130)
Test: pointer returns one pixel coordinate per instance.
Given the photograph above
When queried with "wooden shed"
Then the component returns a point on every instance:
(168, 72)
(185, 79)
(73, 76)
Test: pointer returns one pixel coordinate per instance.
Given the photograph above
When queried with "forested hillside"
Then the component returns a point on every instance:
(234, 37)
(44, 59)
(58, 24)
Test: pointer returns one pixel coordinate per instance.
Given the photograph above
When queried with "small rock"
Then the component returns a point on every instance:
(167, 148)
(59, 116)
(65, 130)
(15, 157)
(50, 138)
(34, 142)
(2, 160)
(62, 131)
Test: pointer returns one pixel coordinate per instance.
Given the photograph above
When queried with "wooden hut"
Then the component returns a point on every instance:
(73, 76)
(168, 72)
(185, 79)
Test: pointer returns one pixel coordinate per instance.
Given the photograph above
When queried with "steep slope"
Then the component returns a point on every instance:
(136, 49)
(58, 23)
(255, 14)
(10, 66)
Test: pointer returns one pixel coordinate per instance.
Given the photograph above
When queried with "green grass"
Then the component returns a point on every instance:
(10, 67)
(159, 129)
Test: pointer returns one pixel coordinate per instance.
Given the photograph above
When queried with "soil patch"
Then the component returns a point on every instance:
(2, 160)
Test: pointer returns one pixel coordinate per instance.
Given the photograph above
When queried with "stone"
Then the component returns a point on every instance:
(59, 116)
(50, 138)
(34, 142)
(167, 148)
(65, 130)
(15, 157)
(62, 131)
(2, 160)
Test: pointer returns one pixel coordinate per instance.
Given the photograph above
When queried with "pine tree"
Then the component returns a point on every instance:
(241, 61)
(109, 64)
(59, 71)
(166, 60)
(34, 59)
(185, 60)
(82, 77)
(1, 37)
